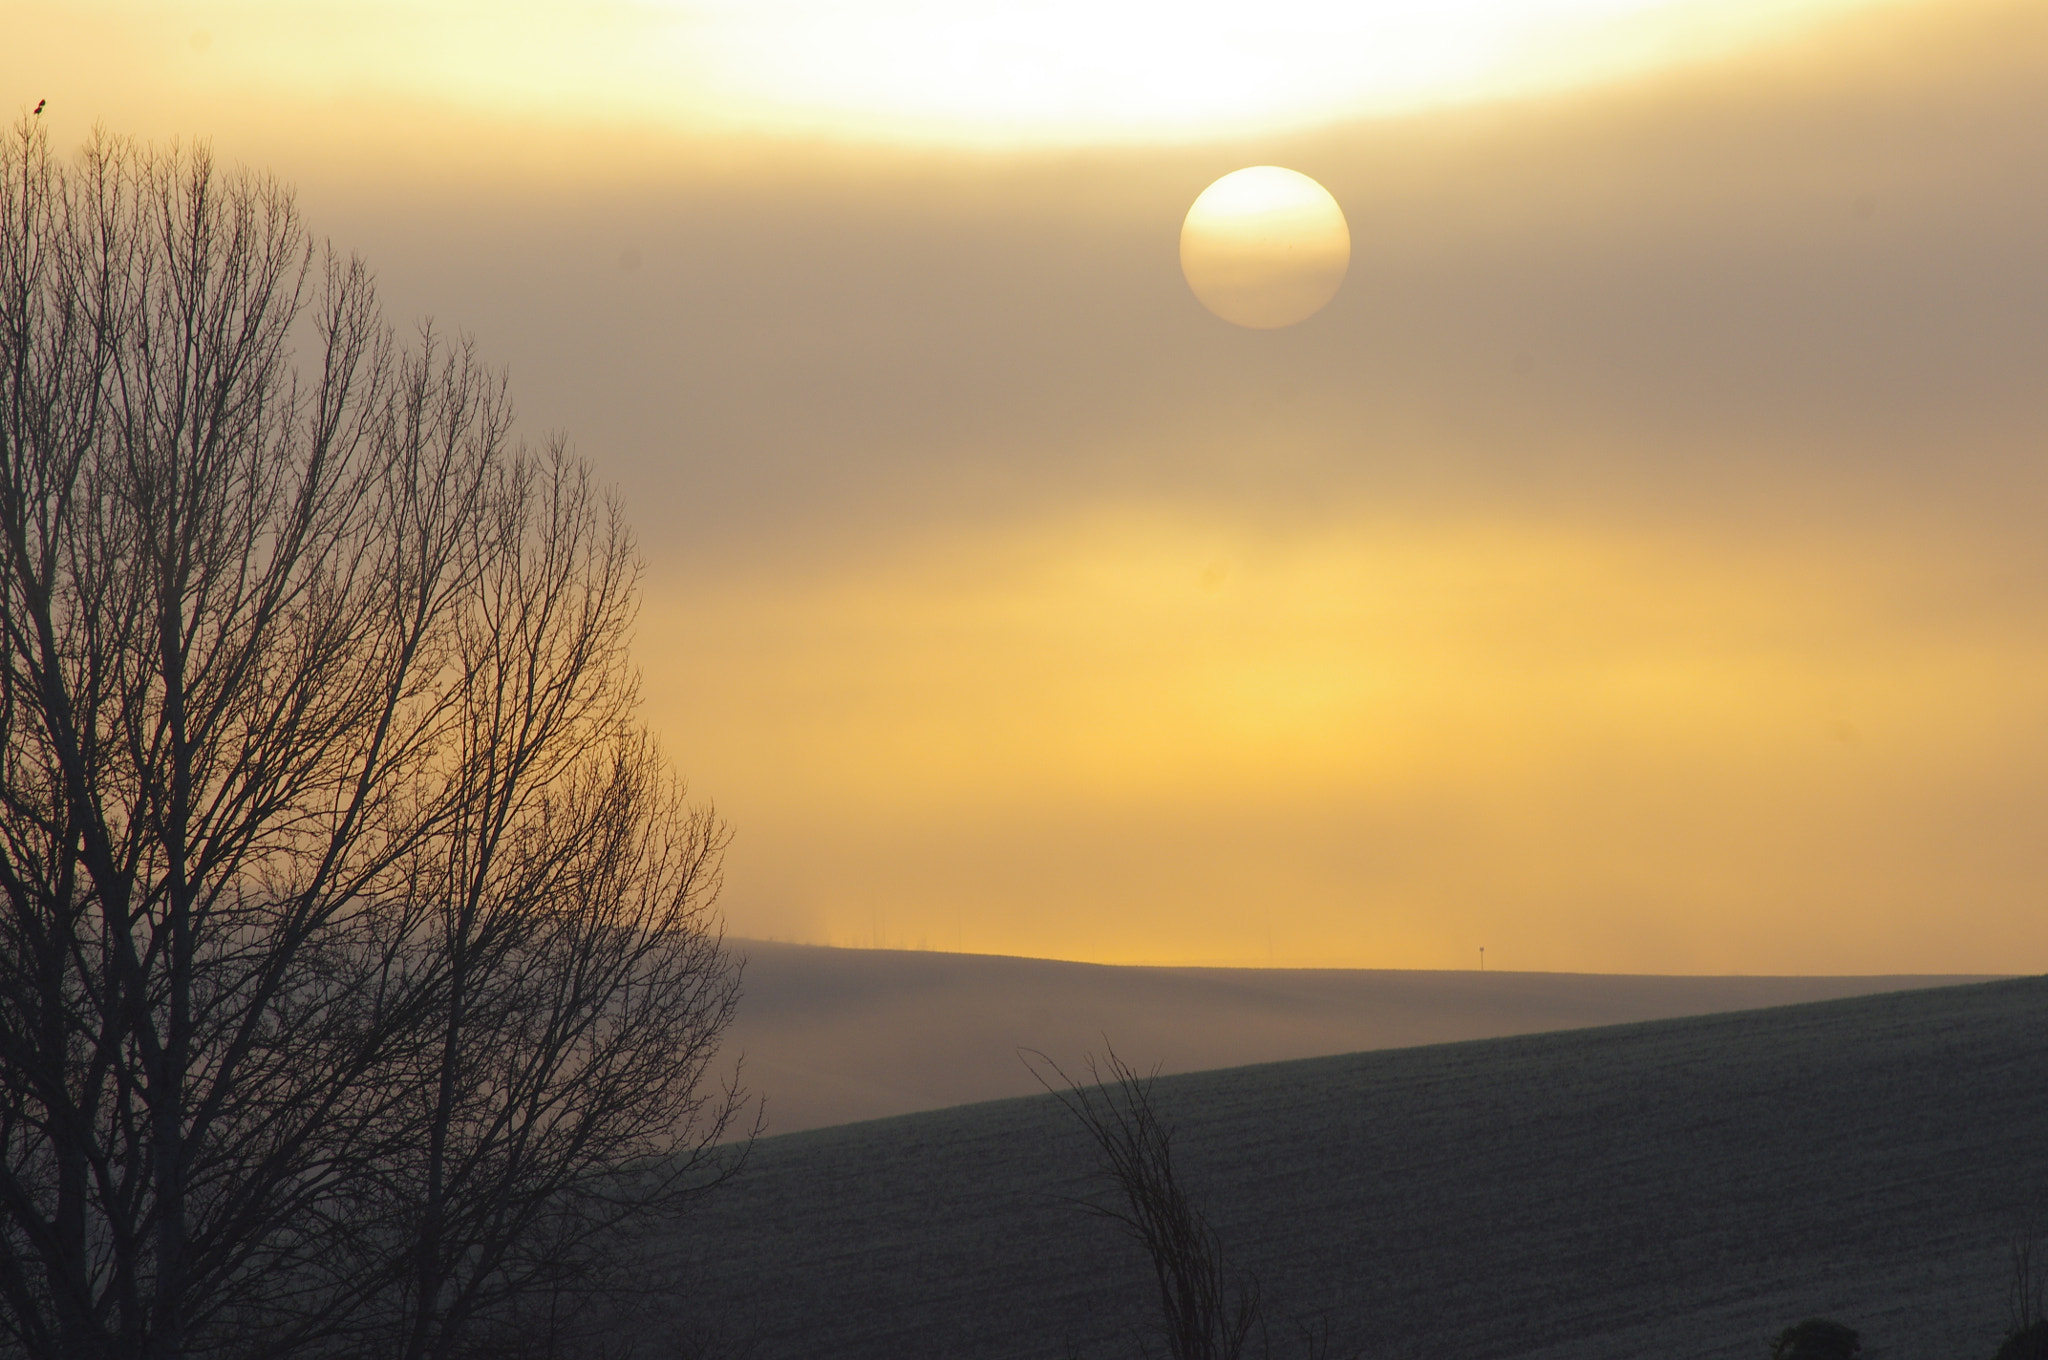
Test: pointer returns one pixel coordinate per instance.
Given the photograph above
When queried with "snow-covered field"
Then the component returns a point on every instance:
(1670, 1189)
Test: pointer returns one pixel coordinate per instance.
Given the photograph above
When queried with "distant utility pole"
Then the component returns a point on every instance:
(1482, 958)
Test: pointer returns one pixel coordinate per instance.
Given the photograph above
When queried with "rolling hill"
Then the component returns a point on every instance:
(1675, 1188)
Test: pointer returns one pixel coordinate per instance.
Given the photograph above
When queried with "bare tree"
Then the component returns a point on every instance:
(1205, 1312)
(359, 983)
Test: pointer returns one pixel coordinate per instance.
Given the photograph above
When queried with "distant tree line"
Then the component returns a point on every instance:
(359, 980)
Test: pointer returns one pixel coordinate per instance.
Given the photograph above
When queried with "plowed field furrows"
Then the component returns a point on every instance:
(1677, 1188)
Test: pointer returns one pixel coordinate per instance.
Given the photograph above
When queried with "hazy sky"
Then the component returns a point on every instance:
(1638, 566)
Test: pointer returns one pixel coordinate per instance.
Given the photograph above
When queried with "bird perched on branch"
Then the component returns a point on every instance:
(39, 107)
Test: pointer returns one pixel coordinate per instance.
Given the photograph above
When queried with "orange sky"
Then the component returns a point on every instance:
(1636, 567)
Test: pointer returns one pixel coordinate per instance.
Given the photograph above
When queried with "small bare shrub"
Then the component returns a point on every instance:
(1207, 1313)
(2027, 1338)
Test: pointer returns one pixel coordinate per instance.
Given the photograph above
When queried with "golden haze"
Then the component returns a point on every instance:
(1137, 736)
(1636, 566)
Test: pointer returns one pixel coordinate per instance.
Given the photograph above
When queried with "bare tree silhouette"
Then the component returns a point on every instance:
(359, 981)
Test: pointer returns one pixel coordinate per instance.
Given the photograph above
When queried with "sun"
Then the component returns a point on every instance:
(1265, 247)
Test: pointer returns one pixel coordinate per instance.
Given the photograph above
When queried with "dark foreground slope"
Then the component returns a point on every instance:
(1673, 1188)
(834, 1035)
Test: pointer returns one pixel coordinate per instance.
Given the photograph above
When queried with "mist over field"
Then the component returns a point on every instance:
(826, 1036)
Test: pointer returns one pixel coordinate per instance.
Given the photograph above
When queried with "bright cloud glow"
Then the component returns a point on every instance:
(1076, 69)
(1059, 71)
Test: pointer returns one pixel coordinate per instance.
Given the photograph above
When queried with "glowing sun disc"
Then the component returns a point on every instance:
(1265, 247)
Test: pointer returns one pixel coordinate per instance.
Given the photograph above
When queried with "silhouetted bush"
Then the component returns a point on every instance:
(2026, 1343)
(1817, 1339)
